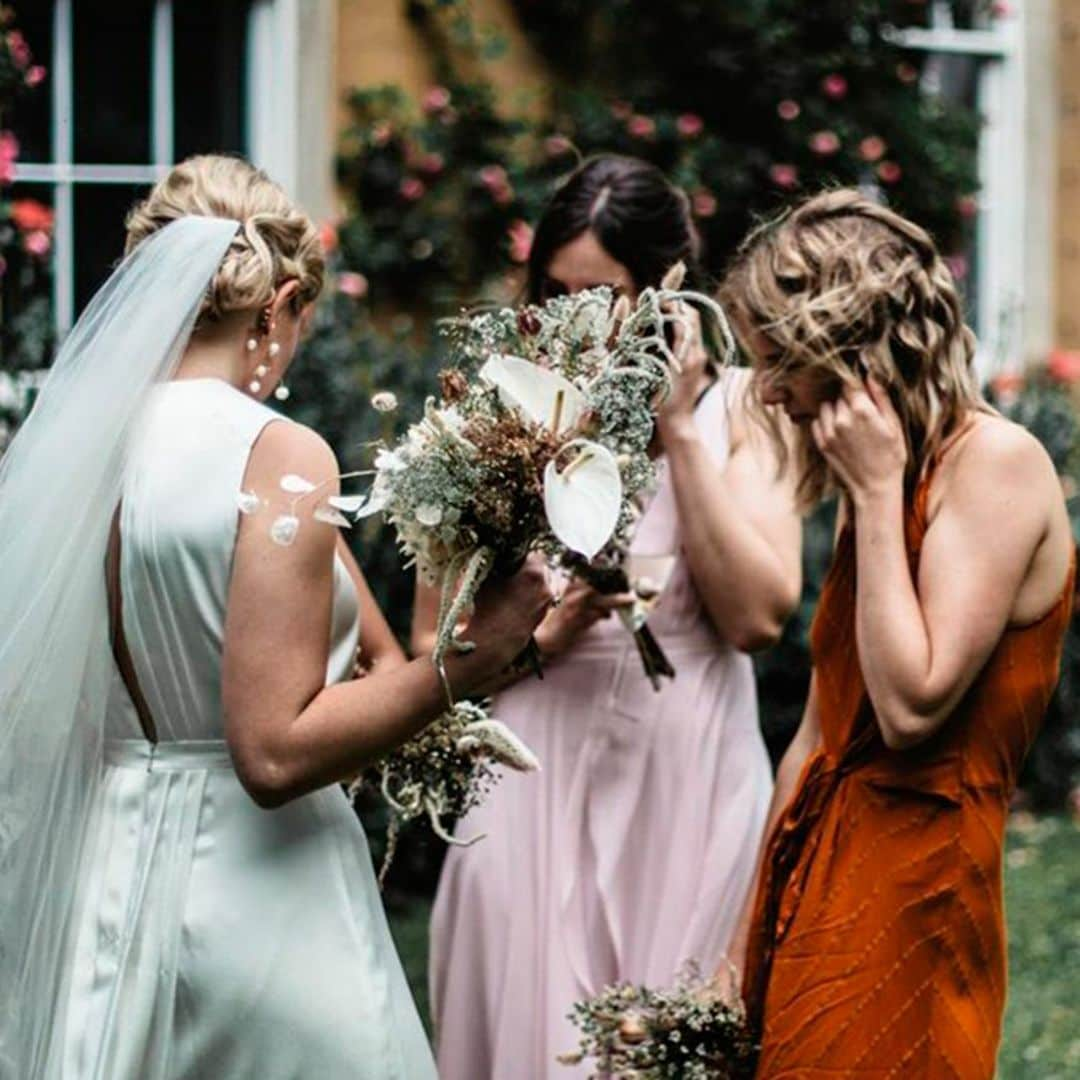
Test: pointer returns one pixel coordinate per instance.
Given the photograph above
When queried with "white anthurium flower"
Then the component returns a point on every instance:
(329, 516)
(495, 740)
(544, 396)
(582, 502)
(296, 485)
(283, 531)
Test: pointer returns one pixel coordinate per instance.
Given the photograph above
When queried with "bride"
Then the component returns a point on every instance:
(184, 889)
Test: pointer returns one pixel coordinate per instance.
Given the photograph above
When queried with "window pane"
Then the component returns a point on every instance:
(112, 82)
(32, 112)
(26, 241)
(209, 55)
(100, 210)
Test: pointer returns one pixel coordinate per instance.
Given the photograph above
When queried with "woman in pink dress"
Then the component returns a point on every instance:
(633, 850)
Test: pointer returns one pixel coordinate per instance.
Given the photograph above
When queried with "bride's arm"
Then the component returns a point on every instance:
(287, 731)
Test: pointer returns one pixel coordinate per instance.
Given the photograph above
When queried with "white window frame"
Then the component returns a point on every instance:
(277, 68)
(1010, 332)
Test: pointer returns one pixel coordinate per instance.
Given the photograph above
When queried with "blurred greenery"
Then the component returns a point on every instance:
(1042, 896)
(1042, 903)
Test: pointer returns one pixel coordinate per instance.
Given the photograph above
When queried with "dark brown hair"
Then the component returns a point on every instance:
(639, 217)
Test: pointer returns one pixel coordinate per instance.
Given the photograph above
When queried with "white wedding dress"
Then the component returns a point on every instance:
(214, 939)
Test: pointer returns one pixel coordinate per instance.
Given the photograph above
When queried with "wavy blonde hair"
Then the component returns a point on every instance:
(276, 242)
(843, 286)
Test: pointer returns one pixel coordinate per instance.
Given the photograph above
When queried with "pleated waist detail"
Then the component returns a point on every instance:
(177, 755)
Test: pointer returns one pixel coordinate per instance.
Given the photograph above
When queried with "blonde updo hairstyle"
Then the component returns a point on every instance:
(844, 286)
(276, 242)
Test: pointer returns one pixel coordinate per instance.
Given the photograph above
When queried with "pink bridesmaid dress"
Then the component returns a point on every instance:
(630, 853)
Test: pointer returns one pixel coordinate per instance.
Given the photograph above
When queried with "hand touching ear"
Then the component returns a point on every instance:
(862, 439)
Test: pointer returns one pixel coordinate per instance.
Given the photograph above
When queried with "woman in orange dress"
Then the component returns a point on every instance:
(875, 944)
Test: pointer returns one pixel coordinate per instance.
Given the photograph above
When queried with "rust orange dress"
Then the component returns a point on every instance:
(877, 947)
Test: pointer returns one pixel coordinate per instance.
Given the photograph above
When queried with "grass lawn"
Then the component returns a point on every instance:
(1042, 898)
(1042, 889)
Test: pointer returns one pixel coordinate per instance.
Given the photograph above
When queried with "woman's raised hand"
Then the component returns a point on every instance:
(507, 611)
(862, 439)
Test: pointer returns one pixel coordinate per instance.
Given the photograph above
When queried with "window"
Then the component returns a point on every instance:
(981, 62)
(133, 86)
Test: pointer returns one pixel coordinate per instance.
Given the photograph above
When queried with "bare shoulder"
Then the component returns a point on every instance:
(998, 455)
(288, 448)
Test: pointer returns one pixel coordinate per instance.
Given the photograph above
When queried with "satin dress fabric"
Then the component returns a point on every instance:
(877, 947)
(216, 939)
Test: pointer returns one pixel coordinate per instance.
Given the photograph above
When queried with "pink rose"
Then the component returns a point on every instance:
(328, 237)
(436, 99)
(958, 266)
(788, 109)
(889, 172)
(1063, 365)
(824, 142)
(622, 110)
(1007, 386)
(557, 145)
(872, 148)
(35, 76)
(689, 125)
(1000, 9)
(907, 73)
(431, 164)
(967, 206)
(37, 243)
(703, 203)
(9, 152)
(641, 127)
(32, 216)
(520, 235)
(493, 177)
(835, 86)
(352, 284)
(20, 51)
(9, 146)
(381, 134)
(412, 189)
(784, 176)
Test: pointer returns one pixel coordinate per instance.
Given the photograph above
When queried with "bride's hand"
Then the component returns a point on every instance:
(506, 613)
